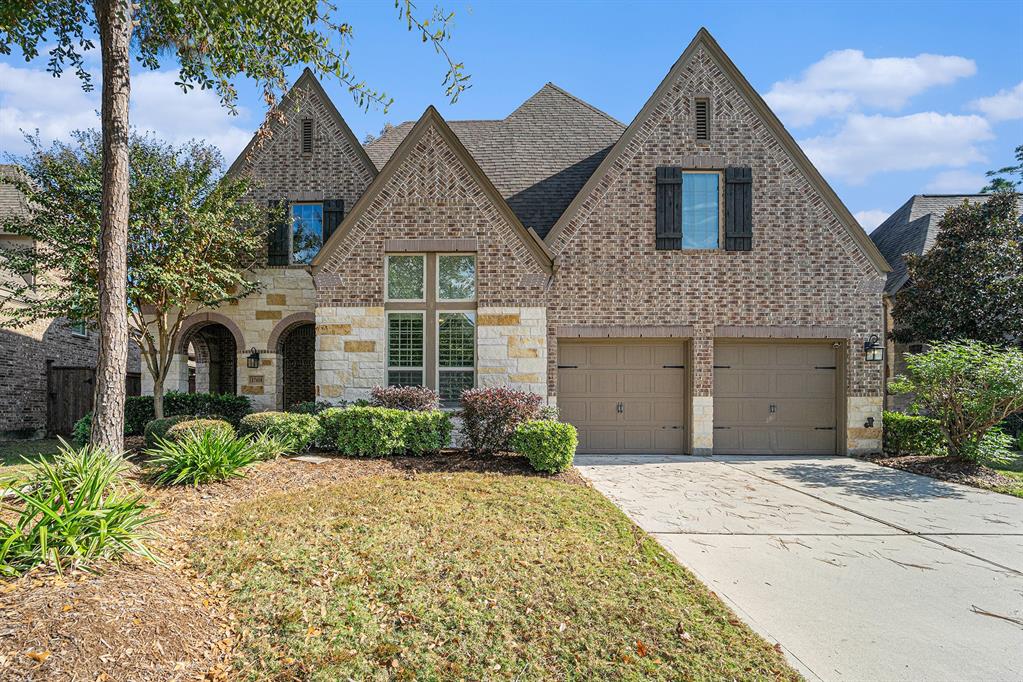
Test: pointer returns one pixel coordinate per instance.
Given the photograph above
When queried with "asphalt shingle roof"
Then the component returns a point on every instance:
(538, 157)
(12, 201)
(913, 229)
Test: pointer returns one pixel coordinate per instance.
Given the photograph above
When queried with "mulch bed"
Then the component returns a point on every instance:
(135, 620)
(949, 469)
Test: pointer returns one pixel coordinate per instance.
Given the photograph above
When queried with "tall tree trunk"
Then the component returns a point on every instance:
(114, 18)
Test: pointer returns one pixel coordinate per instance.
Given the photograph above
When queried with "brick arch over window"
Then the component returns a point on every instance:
(284, 326)
(196, 322)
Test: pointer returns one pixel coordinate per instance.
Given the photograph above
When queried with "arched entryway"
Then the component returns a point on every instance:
(212, 358)
(296, 348)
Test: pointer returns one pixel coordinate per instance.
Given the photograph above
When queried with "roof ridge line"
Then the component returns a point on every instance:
(583, 102)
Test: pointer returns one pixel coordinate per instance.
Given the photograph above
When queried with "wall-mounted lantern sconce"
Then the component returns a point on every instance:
(873, 349)
(252, 362)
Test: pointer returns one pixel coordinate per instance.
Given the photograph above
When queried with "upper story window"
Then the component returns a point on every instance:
(701, 210)
(79, 329)
(306, 231)
(456, 277)
(406, 278)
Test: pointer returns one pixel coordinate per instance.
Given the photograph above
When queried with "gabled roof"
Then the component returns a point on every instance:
(704, 38)
(432, 118)
(538, 157)
(913, 229)
(13, 201)
(308, 79)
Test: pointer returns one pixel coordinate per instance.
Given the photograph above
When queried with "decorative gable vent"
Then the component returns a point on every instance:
(702, 119)
(307, 136)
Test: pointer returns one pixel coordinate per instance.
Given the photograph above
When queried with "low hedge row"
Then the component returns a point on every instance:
(910, 434)
(382, 431)
(548, 445)
(299, 429)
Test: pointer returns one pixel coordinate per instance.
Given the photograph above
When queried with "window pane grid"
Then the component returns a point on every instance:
(453, 382)
(404, 377)
(456, 340)
(700, 210)
(405, 340)
(306, 231)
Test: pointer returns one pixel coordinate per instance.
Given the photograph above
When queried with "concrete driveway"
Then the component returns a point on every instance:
(860, 572)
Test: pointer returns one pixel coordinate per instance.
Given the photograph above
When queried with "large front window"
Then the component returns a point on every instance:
(306, 231)
(700, 210)
(431, 322)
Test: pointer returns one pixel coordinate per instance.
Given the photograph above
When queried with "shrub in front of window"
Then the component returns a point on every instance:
(968, 386)
(197, 427)
(72, 511)
(157, 428)
(200, 457)
(490, 415)
(910, 434)
(298, 430)
(405, 397)
(313, 407)
(548, 445)
(365, 431)
(427, 432)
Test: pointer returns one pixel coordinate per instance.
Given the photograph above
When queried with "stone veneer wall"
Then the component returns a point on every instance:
(512, 348)
(350, 345)
(805, 269)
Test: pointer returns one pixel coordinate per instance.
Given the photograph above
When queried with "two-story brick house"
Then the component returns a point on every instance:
(688, 283)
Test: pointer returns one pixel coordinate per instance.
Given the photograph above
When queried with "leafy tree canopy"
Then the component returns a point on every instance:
(970, 284)
(1005, 179)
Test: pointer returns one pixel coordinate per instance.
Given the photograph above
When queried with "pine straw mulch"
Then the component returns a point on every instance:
(952, 470)
(138, 621)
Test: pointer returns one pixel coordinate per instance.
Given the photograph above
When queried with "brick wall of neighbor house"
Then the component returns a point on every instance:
(24, 353)
(431, 196)
(804, 269)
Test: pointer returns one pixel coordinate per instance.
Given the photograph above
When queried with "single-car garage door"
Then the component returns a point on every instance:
(624, 396)
(775, 398)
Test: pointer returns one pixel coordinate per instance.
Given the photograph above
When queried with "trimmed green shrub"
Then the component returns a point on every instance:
(490, 415)
(81, 432)
(405, 397)
(74, 510)
(365, 431)
(138, 411)
(910, 434)
(427, 432)
(313, 407)
(230, 408)
(157, 428)
(548, 445)
(189, 427)
(200, 457)
(300, 430)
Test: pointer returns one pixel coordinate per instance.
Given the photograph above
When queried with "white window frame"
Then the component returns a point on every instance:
(75, 326)
(475, 346)
(291, 228)
(475, 279)
(387, 278)
(387, 346)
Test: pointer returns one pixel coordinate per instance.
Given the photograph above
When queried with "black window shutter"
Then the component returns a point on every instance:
(280, 231)
(738, 208)
(333, 213)
(669, 207)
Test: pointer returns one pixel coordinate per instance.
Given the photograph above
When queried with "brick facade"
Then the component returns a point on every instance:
(805, 269)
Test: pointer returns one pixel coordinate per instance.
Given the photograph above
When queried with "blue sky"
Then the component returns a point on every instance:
(889, 99)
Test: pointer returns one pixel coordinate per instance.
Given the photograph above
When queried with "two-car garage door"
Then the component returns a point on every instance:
(631, 396)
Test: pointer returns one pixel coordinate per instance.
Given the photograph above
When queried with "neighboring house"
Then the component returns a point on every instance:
(46, 368)
(911, 229)
(688, 283)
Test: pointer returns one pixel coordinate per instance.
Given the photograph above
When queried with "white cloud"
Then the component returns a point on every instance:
(871, 218)
(32, 99)
(847, 80)
(866, 145)
(1004, 105)
(956, 182)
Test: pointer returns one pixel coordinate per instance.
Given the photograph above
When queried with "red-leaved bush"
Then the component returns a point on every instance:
(409, 398)
(490, 415)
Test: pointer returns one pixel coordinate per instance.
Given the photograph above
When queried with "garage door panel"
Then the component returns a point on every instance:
(774, 398)
(621, 395)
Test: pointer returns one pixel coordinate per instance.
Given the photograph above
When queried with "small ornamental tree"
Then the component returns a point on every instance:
(970, 284)
(967, 386)
(191, 240)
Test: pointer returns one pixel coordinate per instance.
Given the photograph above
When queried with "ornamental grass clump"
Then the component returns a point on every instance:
(199, 458)
(195, 427)
(73, 511)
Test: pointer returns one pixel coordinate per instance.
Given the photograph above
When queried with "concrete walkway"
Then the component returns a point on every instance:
(860, 572)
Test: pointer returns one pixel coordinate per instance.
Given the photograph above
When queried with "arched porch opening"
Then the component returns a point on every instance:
(212, 358)
(296, 366)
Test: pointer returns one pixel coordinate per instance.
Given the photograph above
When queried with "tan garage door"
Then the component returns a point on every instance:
(624, 395)
(774, 398)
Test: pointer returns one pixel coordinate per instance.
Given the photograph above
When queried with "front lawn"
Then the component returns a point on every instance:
(13, 452)
(465, 575)
(1014, 470)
